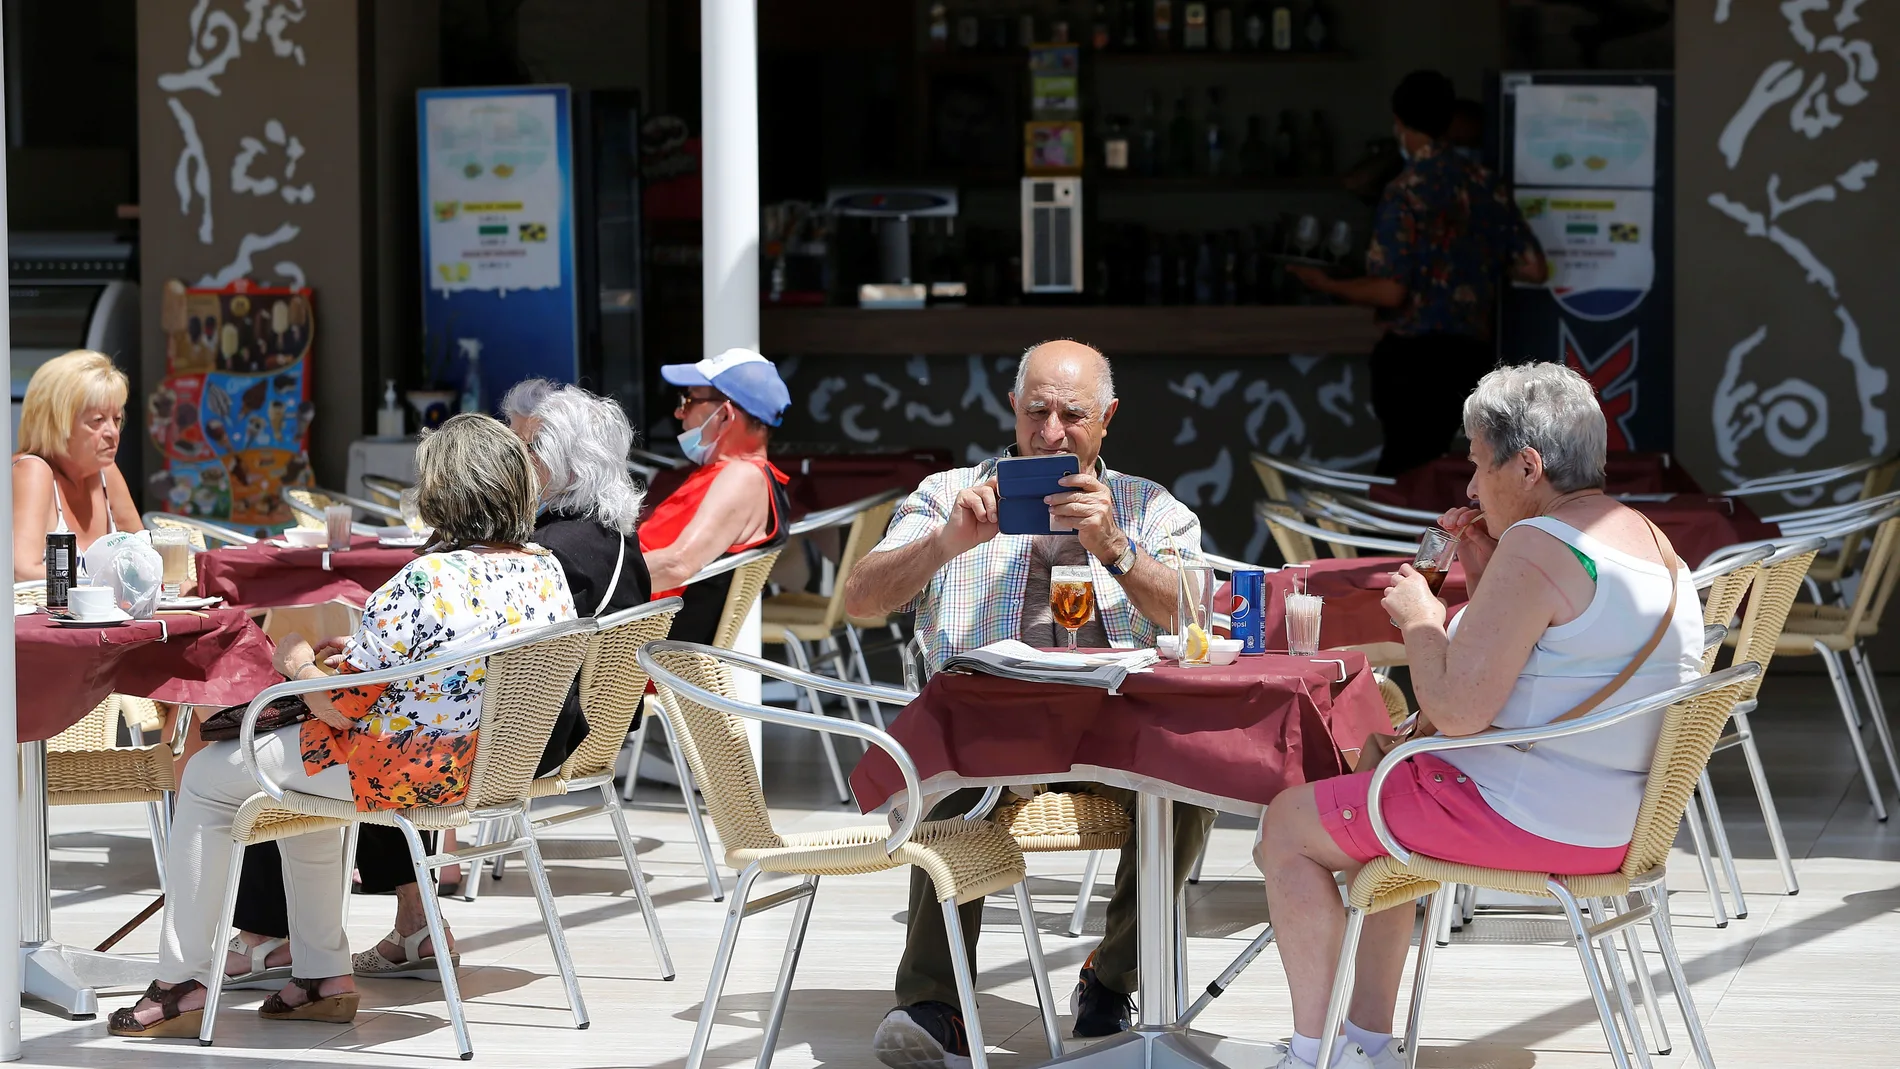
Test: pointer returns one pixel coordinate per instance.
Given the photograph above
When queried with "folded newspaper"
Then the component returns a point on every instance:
(1012, 659)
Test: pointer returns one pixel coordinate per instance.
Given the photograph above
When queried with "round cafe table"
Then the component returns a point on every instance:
(218, 657)
(266, 576)
(1227, 738)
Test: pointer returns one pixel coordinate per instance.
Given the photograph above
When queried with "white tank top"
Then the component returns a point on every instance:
(59, 507)
(1585, 791)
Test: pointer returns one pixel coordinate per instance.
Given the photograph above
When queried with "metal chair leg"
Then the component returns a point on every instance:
(1672, 964)
(1876, 709)
(689, 793)
(551, 918)
(1442, 902)
(864, 670)
(1441, 930)
(1613, 963)
(1085, 891)
(1592, 975)
(1693, 818)
(1633, 946)
(1038, 972)
(438, 935)
(1838, 676)
(631, 856)
(638, 741)
(721, 965)
(1342, 986)
(1771, 817)
(802, 661)
(1194, 874)
(472, 877)
(350, 835)
(966, 985)
(220, 938)
(835, 654)
(794, 945)
(1180, 953)
(155, 826)
(1719, 834)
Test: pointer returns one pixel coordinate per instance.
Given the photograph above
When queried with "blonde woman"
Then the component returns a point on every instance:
(64, 476)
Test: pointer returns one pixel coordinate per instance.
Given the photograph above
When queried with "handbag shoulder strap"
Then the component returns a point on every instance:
(1655, 639)
(613, 584)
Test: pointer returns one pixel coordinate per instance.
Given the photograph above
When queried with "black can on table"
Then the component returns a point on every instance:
(62, 552)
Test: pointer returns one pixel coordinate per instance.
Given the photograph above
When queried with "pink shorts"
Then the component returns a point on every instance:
(1434, 809)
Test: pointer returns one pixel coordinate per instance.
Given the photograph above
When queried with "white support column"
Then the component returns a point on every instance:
(9, 729)
(729, 209)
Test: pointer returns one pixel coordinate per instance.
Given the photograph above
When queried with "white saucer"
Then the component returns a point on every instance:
(120, 616)
(191, 603)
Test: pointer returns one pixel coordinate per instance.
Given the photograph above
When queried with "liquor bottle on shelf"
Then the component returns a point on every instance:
(1230, 268)
(1317, 156)
(1183, 269)
(1153, 266)
(969, 30)
(1256, 156)
(1194, 26)
(1223, 26)
(1098, 28)
(1217, 163)
(1163, 37)
(1062, 25)
(1028, 33)
(1254, 30)
(1130, 27)
(1115, 144)
(1283, 27)
(999, 30)
(1316, 31)
(1205, 282)
(939, 27)
(1286, 147)
(1181, 139)
(1149, 137)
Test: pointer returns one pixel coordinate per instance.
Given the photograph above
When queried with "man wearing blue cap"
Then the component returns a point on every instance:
(735, 500)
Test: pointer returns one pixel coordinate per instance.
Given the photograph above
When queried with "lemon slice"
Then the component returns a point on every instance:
(1196, 646)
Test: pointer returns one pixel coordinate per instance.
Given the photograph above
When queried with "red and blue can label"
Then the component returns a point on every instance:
(1249, 626)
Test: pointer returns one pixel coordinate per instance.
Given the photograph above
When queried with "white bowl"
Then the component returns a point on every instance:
(1168, 646)
(306, 537)
(1223, 651)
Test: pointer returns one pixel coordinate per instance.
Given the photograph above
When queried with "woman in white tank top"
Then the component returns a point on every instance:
(1567, 588)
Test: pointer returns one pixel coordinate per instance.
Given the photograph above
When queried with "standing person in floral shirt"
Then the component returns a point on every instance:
(1446, 239)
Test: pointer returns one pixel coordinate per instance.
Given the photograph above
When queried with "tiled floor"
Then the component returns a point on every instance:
(1805, 980)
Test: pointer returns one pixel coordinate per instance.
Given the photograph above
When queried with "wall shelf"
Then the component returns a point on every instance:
(1191, 331)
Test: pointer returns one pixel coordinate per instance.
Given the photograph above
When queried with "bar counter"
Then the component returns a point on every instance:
(1165, 331)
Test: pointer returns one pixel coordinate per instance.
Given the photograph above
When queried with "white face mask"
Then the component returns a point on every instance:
(693, 444)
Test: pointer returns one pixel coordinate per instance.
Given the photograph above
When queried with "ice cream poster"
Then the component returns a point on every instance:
(232, 415)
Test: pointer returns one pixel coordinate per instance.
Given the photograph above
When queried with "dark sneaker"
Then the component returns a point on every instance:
(1098, 1010)
(924, 1035)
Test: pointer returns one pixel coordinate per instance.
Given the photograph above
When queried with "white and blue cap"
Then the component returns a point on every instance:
(750, 380)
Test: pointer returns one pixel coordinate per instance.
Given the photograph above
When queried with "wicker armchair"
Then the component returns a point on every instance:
(1693, 716)
(85, 765)
(202, 530)
(612, 686)
(965, 859)
(307, 506)
(797, 620)
(526, 682)
(750, 571)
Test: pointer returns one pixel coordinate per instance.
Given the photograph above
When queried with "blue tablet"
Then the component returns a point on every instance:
(1022, 483)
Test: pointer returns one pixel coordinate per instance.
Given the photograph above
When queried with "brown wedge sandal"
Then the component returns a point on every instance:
(174, 1024)
(333, 1009)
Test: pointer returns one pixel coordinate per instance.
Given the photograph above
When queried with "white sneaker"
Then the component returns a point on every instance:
(1353, 1057)
(1392, 1057)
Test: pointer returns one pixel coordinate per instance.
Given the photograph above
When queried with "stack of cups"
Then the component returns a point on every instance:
(1302, 616)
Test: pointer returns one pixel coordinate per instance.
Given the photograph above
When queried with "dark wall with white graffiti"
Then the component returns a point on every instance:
(1188, 425)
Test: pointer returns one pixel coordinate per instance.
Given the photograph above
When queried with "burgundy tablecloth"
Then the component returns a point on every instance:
(1441, 483)
(220, 658)
(263, 576)
(827, 480)
(1229, 738)
(1353, 589)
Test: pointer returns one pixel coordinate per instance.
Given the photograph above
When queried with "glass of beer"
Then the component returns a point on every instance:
(1436, 550)
(174, 554)
(1072, 598)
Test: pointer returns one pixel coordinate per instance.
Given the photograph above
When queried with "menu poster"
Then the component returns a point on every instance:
(1598, 243)
(496, 191)
(1585, 135)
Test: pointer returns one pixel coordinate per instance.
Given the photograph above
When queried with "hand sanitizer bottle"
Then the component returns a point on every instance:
(389, 422)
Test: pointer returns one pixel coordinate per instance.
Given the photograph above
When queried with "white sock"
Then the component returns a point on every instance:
(1306, 1048)
(1371, 1042)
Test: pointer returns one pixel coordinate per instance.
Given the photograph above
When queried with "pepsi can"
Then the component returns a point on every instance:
(1250, 592)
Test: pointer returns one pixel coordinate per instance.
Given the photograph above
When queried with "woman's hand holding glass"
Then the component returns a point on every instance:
(1409, 601)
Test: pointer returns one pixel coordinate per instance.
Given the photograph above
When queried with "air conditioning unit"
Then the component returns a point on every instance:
(1052, 235)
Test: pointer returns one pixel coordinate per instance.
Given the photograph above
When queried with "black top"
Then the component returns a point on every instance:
(705, 602)
(586, 551)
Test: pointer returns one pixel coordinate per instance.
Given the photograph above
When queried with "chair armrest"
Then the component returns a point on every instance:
(1321, 534)
(1366, 504)
(1713, 635)
(733, 563)
(833, 517)
(1796, 480)
(911, 808)
(1523, 736)
(1721, 563)
(1344, 480)
(827, 684)
(991, 795)
(247, 731)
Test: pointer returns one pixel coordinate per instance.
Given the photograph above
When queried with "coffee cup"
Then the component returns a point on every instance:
(92, 603)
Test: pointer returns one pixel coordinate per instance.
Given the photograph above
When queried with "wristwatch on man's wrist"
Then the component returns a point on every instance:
(1125, 563)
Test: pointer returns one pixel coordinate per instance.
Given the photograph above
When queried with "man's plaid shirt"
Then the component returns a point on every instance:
(977, 598)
